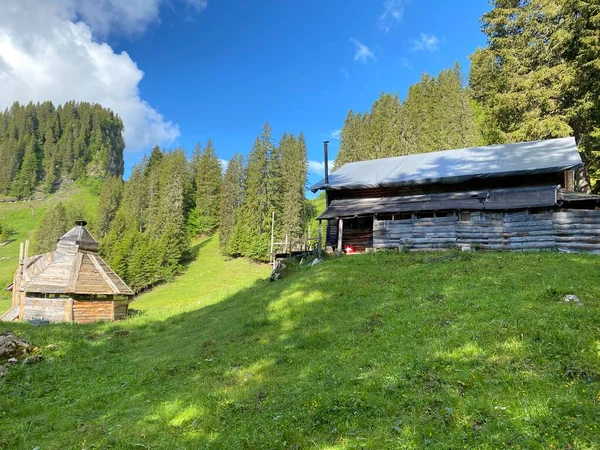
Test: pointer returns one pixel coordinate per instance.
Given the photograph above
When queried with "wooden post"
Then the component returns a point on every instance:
(286, 244)
(17, 278)
(319, 240)
(26, 254)
(340, 233)
(272, 235)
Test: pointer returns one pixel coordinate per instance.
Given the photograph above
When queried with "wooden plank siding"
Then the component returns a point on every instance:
(92, 311)
(566, 231)
(52, 309)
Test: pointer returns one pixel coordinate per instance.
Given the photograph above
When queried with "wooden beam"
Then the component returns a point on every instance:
(319, 249)
(340, 234)
(26, 255)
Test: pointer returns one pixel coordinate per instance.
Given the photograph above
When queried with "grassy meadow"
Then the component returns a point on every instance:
(385, 350)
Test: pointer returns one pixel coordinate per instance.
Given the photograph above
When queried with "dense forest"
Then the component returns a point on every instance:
(537, 78)
(41, 144)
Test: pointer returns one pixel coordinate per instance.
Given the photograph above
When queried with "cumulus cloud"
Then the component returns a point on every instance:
(49, 51)
(316, 168)
(426, 42)
(393, 11)
(362, 53)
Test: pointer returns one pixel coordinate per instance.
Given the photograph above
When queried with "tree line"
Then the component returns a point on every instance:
(438, 114)
(537, 78)
(40, 144)
(145, 224)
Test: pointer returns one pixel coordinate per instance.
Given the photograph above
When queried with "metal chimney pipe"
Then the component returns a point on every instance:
(325, 151)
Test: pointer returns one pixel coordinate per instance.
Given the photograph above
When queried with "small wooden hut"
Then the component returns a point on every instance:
(70, 284)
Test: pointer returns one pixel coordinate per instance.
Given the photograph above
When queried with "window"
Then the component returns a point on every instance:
(425, 215)
(360, 223)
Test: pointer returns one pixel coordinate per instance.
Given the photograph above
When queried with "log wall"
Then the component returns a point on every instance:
(565, 231)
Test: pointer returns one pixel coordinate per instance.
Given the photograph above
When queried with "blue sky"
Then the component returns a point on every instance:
(196, 69)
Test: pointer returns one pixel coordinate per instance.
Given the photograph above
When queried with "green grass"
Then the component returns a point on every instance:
(386, 350)
(24, 217)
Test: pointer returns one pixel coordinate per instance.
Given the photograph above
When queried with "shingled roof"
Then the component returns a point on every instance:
(75, 267)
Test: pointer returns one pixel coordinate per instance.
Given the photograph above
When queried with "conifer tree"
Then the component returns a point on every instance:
(208, 189)
(54, 224)
(438, 114)
(73, 140)
(255, 225)
(293, 171)
(232, 196)
(539, 75)
(26, 181)
(108, 203)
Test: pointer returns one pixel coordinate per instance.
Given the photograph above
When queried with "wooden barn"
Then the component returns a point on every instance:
(515, 196)
(70, 284)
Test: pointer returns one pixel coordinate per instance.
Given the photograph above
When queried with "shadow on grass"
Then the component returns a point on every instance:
(347, 354)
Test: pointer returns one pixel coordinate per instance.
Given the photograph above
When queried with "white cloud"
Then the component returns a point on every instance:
(48, 51)
(393, 11)
(108, 16)
(224, 163)
(426, 42)
(316, 168)
(345, 73)
(362, 53)
(333, 134)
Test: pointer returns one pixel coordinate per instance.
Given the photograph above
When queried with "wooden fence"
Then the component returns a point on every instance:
(565, 231)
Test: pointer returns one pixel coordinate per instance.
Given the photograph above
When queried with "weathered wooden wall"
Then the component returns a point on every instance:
(567, 231)
(120, 308)
(577, 231)
(52, 309)
(92, 311)
(415, 233)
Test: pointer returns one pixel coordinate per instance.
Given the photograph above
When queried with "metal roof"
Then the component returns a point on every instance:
(488, 200)
(457, 166)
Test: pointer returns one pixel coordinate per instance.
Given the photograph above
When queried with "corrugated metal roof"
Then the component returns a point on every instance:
(456, 166)
(489, 200)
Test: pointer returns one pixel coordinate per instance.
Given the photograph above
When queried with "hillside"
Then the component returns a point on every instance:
(383, 350)
(43, 143)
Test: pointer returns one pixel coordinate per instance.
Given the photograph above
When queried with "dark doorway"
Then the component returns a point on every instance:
(357, 235)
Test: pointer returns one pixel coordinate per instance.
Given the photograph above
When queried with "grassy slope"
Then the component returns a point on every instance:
(23, 218)
(374, 351)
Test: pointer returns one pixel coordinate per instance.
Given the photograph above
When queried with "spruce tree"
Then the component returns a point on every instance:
(293, 171)
(108, 203)
(208, 189)
(253, 236)
(54, 224)
(26, 181)
(438, 114)
(232, 197)
(539, 77)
